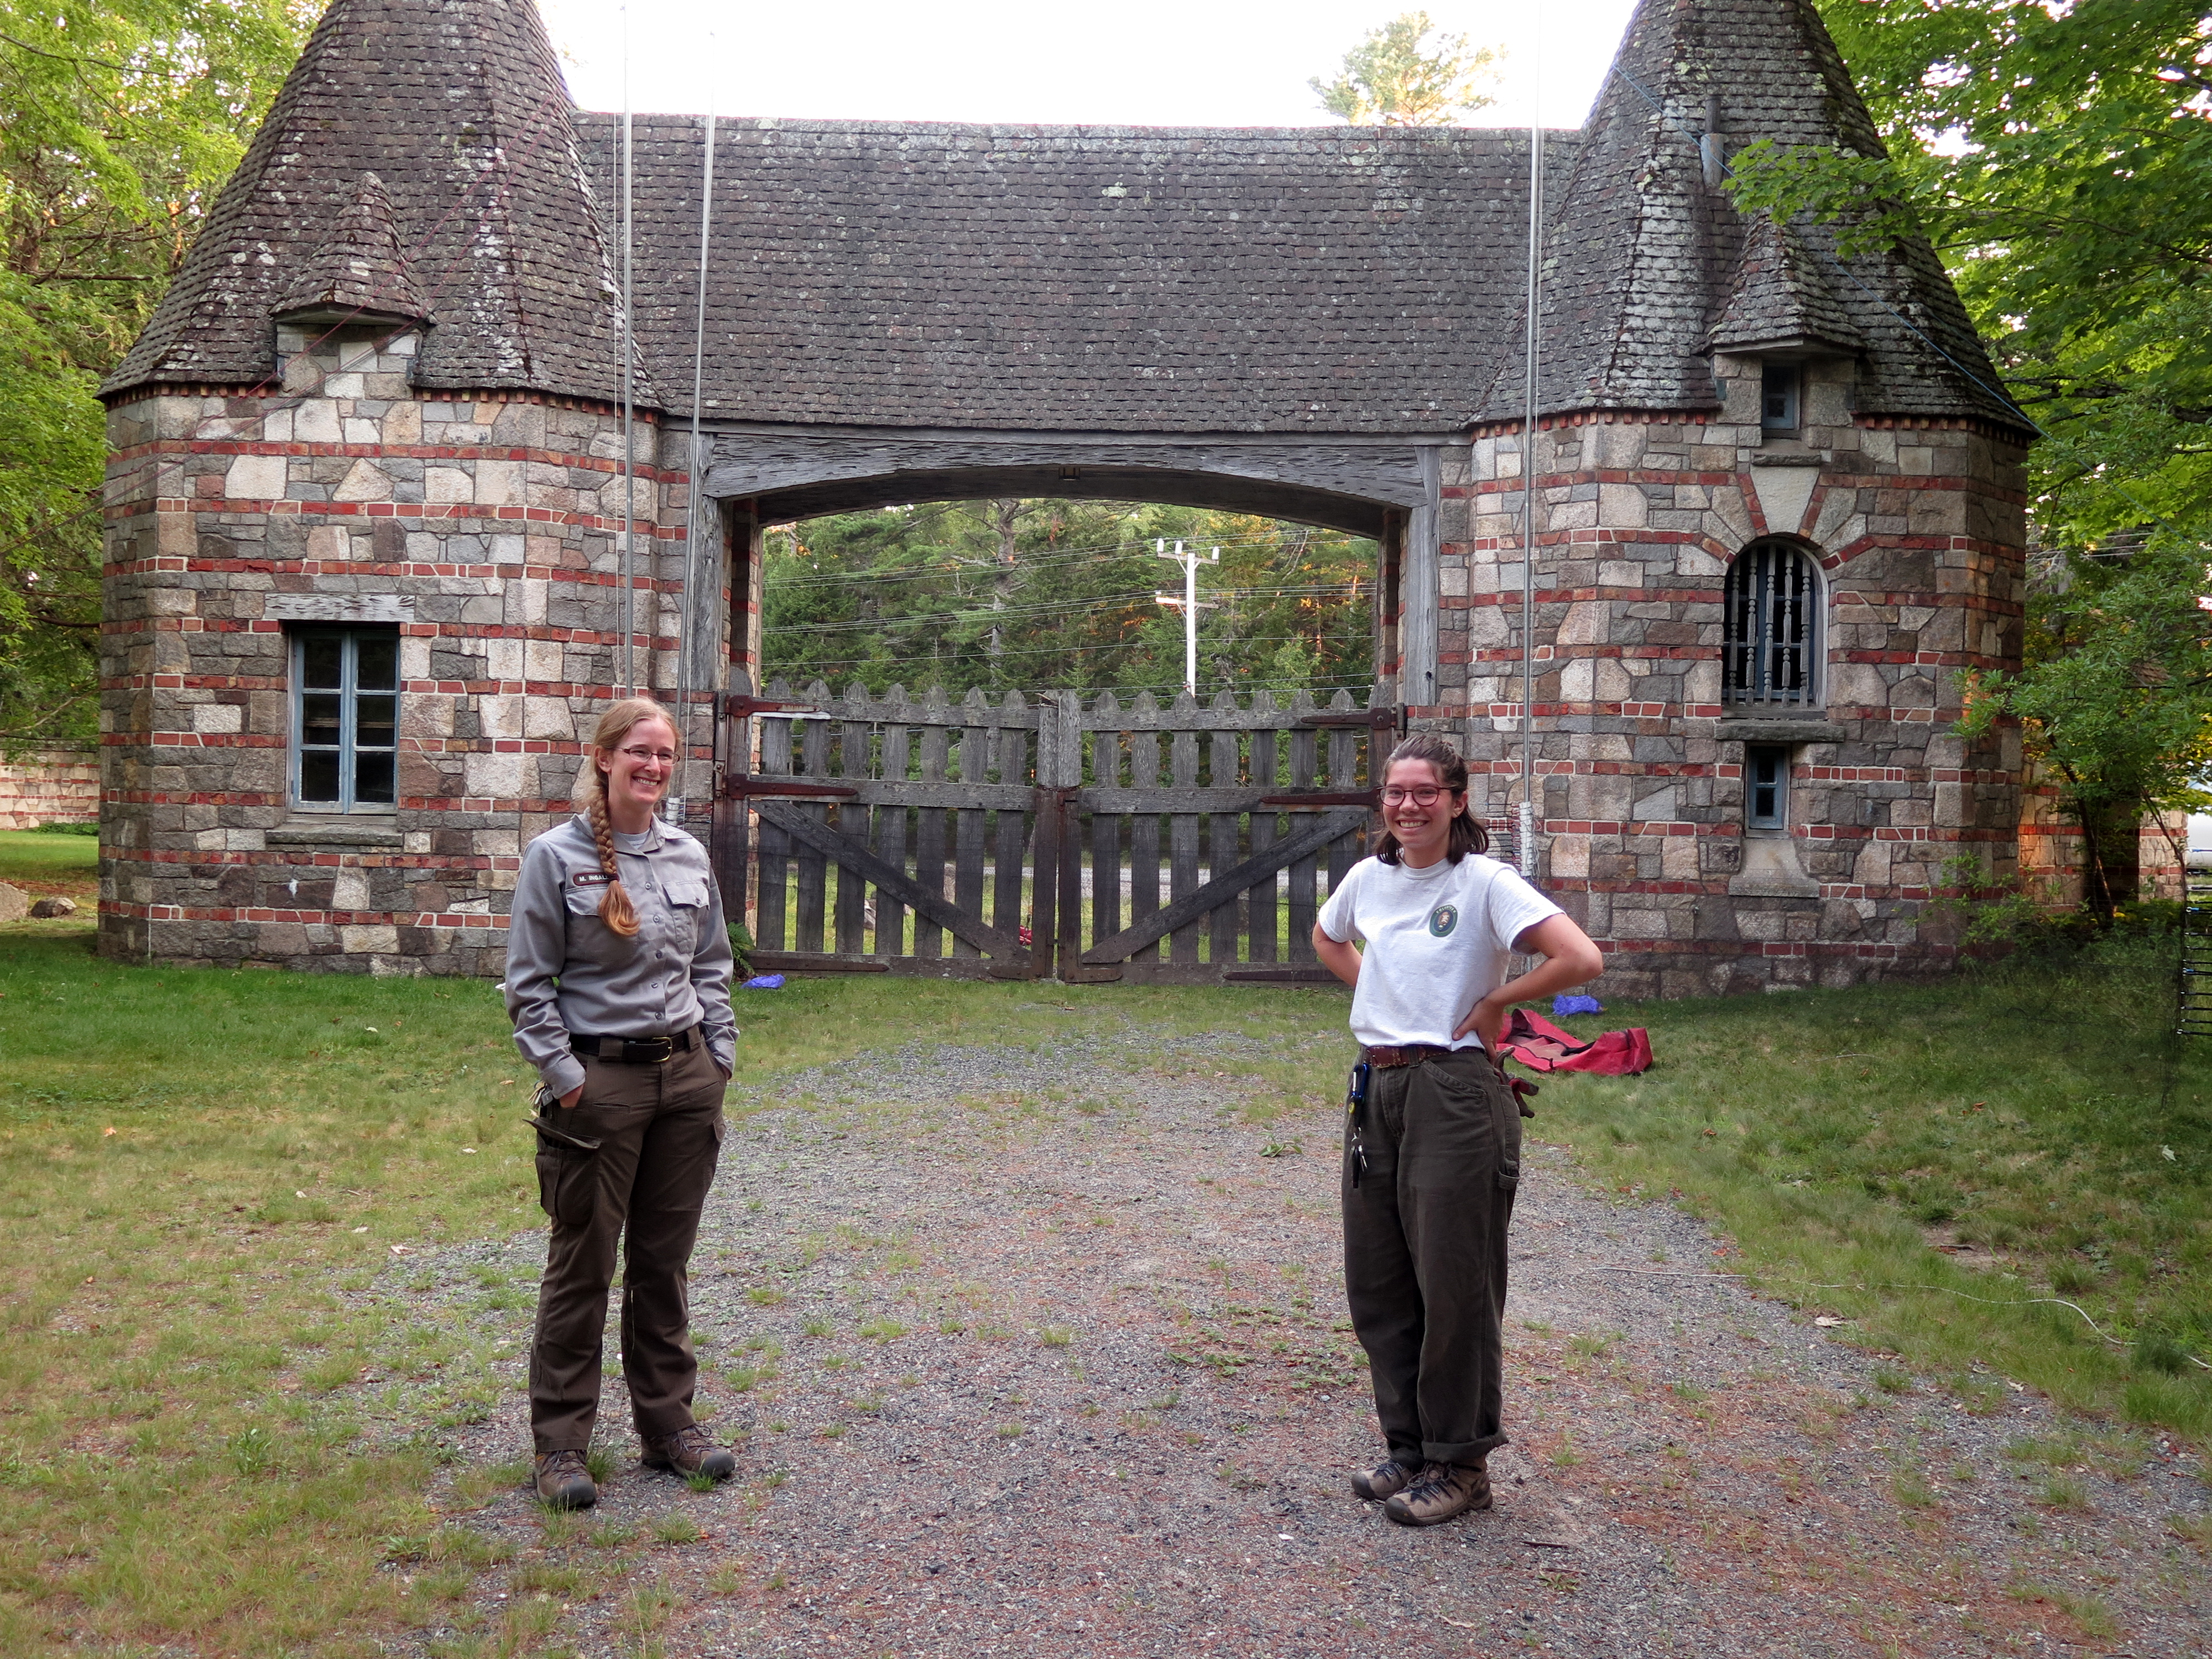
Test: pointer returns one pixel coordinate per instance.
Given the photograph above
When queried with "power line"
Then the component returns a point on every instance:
(1102, 553)
(629, 387)
(1525, 841)
(685, 641)
(1133, 645)
(1051, 607)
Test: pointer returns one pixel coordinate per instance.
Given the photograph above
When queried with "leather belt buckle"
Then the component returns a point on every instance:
(627, 1051)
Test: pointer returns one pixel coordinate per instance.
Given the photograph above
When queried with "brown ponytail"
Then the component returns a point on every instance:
(615, 908)
(1467, 835)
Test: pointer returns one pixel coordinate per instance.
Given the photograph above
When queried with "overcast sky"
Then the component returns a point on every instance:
(1125, 62)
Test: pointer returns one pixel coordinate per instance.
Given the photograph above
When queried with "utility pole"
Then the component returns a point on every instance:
(1188, 600)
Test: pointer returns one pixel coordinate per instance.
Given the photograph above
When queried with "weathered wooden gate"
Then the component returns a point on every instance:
(1045, 838)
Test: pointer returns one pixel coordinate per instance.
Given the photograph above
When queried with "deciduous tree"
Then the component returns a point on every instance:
(2060, 156)
(118, 120)
(1046, 595)
(1408, 74)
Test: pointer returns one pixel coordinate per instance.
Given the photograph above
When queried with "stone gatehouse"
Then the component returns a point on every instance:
(372, 569)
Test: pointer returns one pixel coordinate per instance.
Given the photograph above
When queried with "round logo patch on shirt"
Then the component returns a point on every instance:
(1443, 920)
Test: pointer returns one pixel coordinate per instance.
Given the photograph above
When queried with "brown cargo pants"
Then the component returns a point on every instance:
(634, 1167)
(1425, 1251)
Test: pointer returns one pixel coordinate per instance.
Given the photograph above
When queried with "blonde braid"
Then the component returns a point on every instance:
(615, 908)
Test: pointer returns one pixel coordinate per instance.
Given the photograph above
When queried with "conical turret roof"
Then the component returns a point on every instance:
(460, 110)
(1149, 280)
(1648, 268)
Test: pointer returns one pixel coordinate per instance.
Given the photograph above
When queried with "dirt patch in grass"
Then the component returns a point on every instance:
(41, 865)
(1038, 1339)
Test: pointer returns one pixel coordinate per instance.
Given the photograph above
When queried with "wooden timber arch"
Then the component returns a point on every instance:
(1388, 491)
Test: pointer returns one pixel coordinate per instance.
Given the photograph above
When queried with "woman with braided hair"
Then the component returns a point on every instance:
(618, 983)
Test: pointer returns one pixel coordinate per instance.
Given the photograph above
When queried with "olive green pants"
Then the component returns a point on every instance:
(1425, 1251)
(630, 1169)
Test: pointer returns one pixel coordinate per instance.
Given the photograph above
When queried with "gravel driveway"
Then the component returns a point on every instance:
(1042, 1350)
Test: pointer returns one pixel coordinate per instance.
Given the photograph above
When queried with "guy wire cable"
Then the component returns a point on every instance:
(693, 496)
(628, 678)
(1525, 841)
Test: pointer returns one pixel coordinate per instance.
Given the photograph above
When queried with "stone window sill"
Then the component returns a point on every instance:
(1770, 869)
(1750, 728)
(360, 831)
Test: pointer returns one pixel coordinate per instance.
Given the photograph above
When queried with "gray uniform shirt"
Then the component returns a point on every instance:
(569, 973)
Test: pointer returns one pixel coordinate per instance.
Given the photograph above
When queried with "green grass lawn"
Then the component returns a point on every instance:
(1945, 1164)
(41, 862)
(197, 1167)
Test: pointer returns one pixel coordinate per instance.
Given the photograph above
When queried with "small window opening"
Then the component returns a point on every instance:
(345, 719)
(1766, 787)
(1770, 626)
(1777, 397)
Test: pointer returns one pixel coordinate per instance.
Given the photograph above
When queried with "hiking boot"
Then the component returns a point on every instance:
(690, 1451)
(563, 1482)
(1386, 1480)
(1440, 1492)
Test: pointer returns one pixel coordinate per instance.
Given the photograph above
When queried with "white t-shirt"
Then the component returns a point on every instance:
(1438, 941)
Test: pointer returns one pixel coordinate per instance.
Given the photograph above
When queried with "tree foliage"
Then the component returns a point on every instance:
(118, 120)
(2060, 156)
(1408, 74)
(1050, 595)
(2115, 698)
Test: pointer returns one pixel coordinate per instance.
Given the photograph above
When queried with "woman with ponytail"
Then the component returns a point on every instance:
(1432, 1147)
(618, 983)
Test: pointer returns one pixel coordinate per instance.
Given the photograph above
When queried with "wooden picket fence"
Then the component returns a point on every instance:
(1040, 837)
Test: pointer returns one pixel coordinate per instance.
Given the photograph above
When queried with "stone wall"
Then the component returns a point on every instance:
(48, 786)
(2053, 858)
(487, 531)
(1917, 527)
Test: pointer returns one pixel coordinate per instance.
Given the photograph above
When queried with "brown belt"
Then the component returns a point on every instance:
(1412, 1052)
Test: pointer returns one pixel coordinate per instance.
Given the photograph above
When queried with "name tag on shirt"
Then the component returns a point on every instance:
(591, 878)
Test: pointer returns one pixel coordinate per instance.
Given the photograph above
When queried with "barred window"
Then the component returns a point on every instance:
(345, 719)
(1770, 627)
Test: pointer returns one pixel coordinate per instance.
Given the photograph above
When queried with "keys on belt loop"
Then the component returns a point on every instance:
(1355, 1113)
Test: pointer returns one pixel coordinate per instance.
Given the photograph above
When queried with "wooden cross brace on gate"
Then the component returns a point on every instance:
(1228, 886)
(1010, 957)
(934, 809)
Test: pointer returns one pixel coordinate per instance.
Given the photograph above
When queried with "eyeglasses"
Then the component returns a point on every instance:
(1421, 795)
(640, 755)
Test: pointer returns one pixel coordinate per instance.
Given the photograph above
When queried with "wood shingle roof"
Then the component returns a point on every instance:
(1345, 280)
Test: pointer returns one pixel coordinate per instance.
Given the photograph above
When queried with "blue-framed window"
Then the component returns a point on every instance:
(345, 719)
(1765, 786)
(1779, 387)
